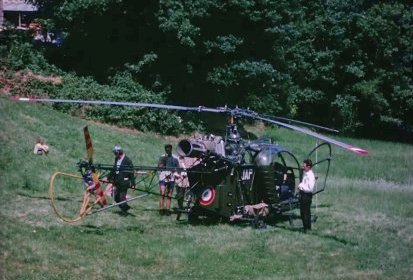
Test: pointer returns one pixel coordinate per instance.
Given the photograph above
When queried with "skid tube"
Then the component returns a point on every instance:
(117, 204)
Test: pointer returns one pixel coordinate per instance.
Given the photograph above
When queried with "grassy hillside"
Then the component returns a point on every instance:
(364, 230)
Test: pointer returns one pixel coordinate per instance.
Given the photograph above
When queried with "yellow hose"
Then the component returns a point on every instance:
(85, 207)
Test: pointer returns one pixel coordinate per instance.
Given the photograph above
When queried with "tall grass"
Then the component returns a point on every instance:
(364, 229)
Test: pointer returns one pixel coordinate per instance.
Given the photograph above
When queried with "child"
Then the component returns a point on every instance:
(40, 148)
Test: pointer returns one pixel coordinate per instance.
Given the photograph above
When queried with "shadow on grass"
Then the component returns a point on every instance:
(99, 230)
(33, 196)
(183, 219)
(147, 209)
(322, 205)
(318, 234)
(335, 238)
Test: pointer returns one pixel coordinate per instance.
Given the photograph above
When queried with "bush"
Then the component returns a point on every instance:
(122, 89)
(17, 52)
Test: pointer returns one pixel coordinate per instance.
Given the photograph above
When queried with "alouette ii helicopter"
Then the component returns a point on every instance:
(232, 179)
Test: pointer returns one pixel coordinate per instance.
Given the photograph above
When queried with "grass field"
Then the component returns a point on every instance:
(364, 229)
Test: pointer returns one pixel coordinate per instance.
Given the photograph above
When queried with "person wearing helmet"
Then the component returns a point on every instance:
(122, 177)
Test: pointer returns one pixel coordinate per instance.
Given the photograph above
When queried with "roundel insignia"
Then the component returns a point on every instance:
(207, 196)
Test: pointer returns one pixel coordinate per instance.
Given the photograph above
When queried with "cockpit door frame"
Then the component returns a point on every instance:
(326, 159)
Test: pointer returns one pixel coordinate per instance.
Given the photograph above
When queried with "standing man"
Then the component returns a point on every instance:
(167, 180)
(306, 188)
(122, 177)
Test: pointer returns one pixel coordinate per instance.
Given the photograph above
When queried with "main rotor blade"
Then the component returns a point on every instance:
(236, 111)
(118, 103)
(343, 145)
(300, 122)
(89, 146)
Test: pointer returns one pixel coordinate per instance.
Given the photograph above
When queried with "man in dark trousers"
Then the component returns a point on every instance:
(306, 188)
(122, 176)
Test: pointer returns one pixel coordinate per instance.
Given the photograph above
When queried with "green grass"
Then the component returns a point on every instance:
(364, 230)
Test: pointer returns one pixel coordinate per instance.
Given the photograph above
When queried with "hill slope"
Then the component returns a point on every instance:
(364, 230)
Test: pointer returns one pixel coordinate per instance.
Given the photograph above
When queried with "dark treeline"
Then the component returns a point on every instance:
(343, 64)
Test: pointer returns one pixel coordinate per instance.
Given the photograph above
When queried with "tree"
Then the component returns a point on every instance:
(345, 64)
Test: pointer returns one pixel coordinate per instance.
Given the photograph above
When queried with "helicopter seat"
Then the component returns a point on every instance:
(285, 192)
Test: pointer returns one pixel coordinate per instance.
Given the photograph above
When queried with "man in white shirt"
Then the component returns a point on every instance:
(306, 188)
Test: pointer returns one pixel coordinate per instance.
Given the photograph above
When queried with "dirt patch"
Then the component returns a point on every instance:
(32, 210)
(55, 80)
(15, 83)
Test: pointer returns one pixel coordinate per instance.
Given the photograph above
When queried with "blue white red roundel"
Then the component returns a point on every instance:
(207, 196)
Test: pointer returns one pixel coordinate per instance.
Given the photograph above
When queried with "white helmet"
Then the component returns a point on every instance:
(117, 149)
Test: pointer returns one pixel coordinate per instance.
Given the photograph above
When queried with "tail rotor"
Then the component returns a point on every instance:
(66, 192)
(89, 145)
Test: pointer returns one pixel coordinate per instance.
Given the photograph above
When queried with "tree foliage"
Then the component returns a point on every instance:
(346, 64)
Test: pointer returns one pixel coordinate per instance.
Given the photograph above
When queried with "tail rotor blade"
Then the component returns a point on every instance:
(89, 146)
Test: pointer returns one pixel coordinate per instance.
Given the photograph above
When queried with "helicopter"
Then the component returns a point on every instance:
(233, 179)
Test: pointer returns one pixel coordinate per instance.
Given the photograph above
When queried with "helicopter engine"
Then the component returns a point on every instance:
(197, 147)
